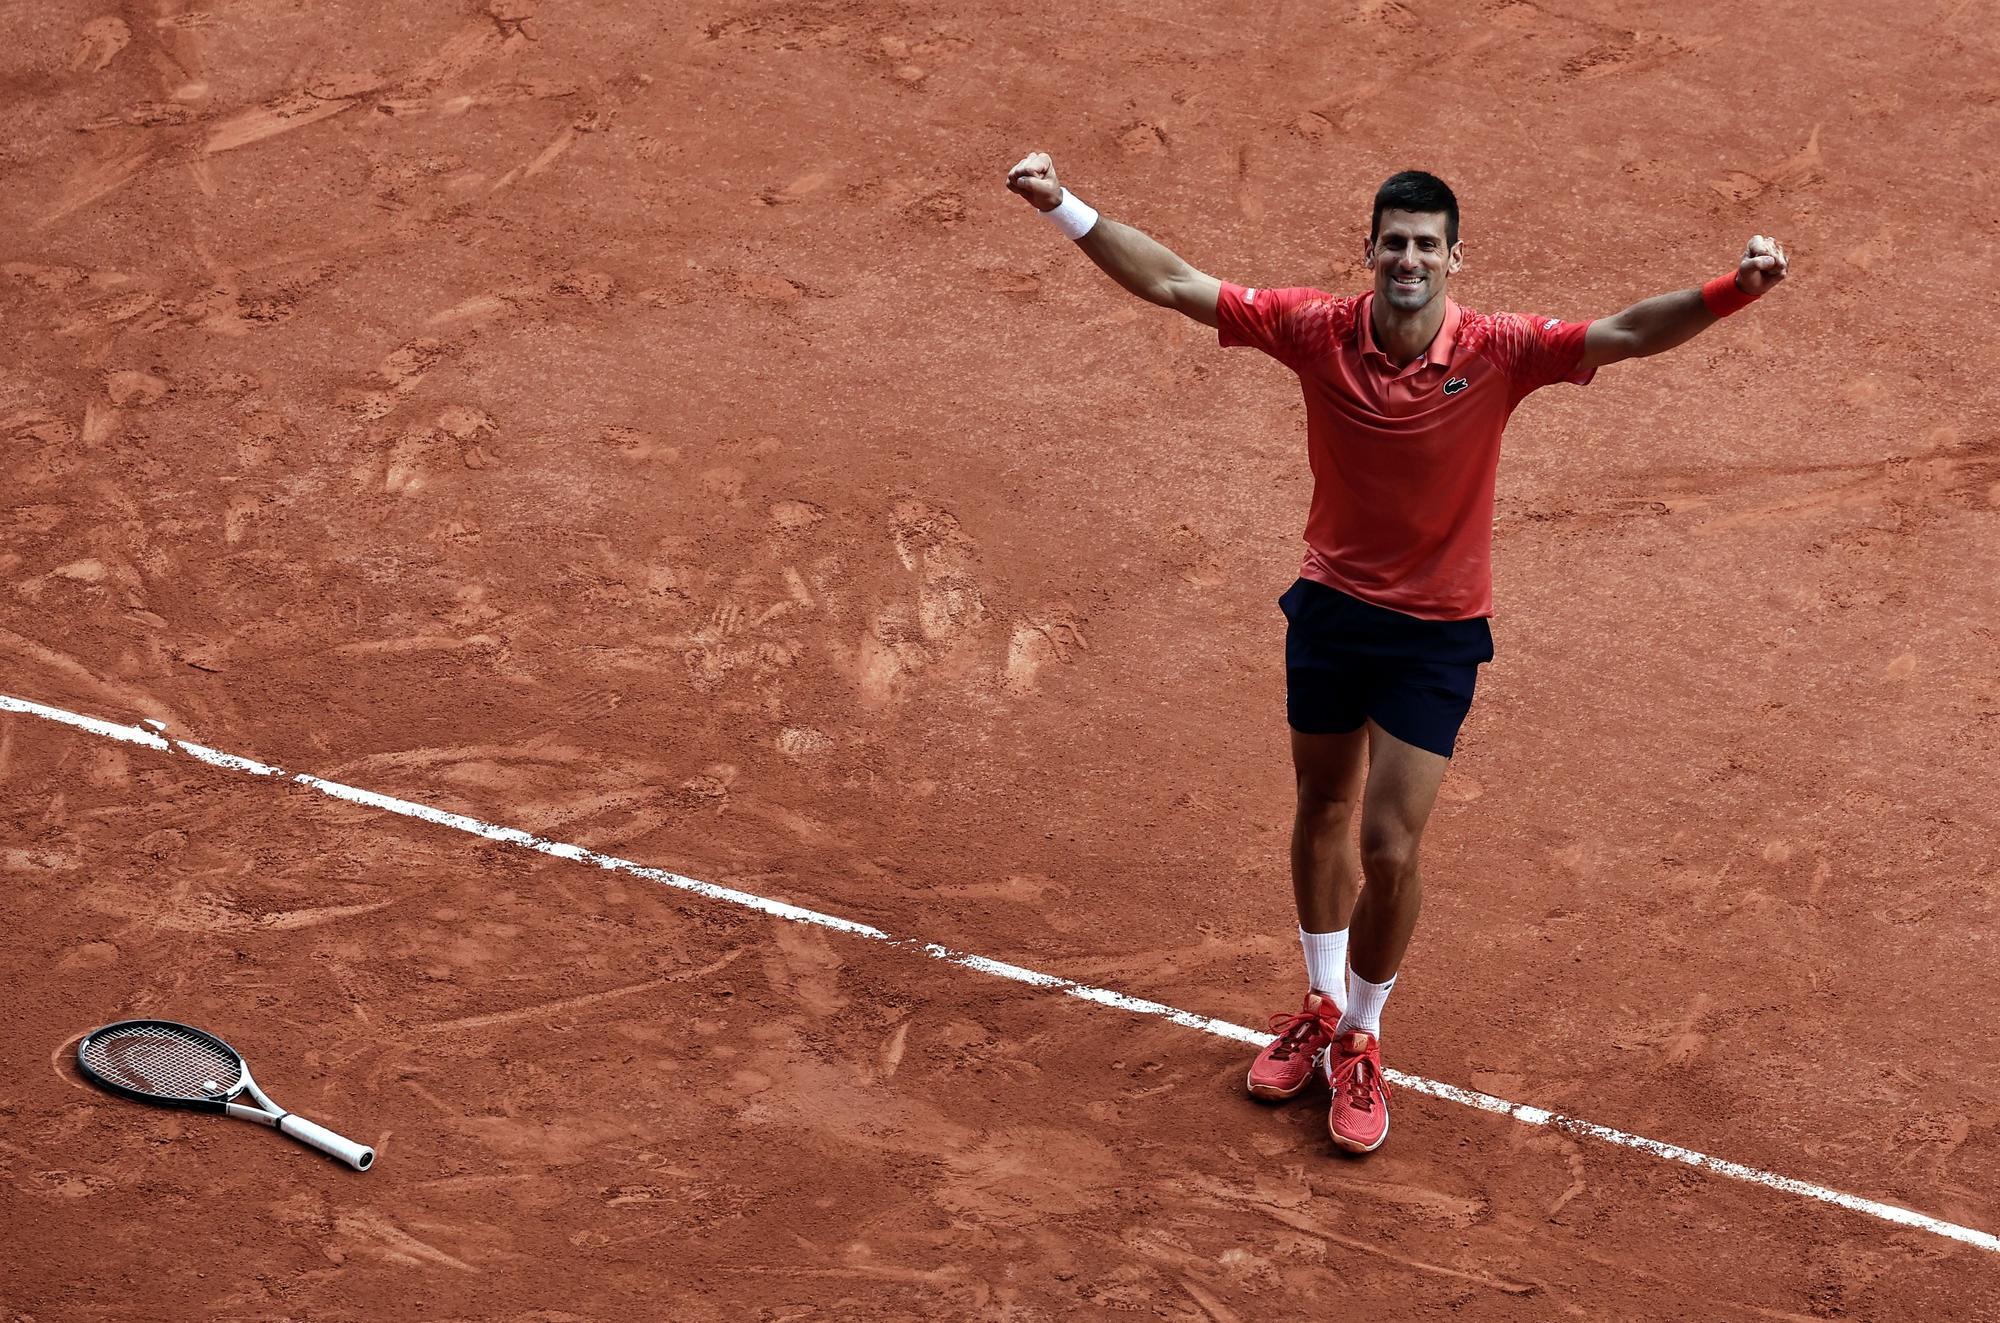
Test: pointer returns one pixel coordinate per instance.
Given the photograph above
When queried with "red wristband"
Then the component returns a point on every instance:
(1724, 296)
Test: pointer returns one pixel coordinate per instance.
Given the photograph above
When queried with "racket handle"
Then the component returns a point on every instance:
(358, 1156)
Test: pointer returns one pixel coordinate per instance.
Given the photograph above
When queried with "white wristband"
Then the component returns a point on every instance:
(1073, 216)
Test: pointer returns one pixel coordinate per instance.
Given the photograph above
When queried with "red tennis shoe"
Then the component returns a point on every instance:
(1285, 1066)
(1360, 1116)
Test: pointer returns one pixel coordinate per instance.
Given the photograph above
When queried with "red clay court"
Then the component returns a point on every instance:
(659, 432)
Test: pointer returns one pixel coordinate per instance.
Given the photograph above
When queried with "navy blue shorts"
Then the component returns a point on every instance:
(1349, 661)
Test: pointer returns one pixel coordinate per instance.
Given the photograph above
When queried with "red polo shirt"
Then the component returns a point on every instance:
(1403, 460)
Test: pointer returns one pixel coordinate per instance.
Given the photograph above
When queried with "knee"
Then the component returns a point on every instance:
(1325, 797)
(1389, 856)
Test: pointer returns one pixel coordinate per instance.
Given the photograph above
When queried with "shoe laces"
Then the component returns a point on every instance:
(1294, 1031)
(1361, 1080)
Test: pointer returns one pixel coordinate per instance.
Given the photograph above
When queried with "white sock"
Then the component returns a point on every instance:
(1364, 1004)
(1326, 960)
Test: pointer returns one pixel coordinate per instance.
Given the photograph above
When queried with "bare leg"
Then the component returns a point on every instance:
(1396, 804)
(1325, 867)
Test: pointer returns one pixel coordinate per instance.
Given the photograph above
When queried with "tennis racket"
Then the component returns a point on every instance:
(177, 1065)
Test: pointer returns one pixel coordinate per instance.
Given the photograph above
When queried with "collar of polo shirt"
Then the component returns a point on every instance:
(1436, 356)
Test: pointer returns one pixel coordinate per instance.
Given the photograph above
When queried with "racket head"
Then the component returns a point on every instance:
(164, 1062)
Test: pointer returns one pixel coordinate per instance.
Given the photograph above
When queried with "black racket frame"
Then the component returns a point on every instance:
(218, 1105)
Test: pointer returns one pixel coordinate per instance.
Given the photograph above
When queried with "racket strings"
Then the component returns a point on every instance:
(166, 1062)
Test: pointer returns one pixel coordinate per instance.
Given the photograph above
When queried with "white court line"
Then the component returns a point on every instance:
(1521, 1112)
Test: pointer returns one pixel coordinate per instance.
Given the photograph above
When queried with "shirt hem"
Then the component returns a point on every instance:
(1326, 580)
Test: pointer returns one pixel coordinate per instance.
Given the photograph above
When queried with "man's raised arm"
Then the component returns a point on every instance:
(1141, 265)
(1655, 325)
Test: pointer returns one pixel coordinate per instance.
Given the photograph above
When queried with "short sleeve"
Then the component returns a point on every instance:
(1539, 351)
(1291, 325)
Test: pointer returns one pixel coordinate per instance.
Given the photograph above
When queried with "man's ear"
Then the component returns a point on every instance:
(1368, 253)
(1457, 257)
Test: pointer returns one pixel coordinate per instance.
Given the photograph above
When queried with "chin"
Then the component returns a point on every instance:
(1407, 300)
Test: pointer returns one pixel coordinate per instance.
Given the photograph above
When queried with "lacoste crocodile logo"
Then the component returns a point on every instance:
(1455, 385)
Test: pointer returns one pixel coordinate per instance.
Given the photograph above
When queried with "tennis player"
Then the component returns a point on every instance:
(1406, 395)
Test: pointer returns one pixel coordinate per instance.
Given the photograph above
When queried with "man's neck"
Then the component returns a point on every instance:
(1404, 336)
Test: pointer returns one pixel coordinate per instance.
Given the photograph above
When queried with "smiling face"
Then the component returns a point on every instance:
(1411, 258)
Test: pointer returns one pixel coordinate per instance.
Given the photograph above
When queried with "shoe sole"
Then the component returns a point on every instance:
(1351, 1146)
(1269, 1094)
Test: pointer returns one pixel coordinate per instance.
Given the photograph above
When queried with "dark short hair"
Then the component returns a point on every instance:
(1413, 190)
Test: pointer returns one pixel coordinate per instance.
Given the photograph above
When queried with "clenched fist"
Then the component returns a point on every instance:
(1035, 179)
(1762, 267)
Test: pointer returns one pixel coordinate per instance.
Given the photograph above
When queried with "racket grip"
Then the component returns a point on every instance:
(358, 1156)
